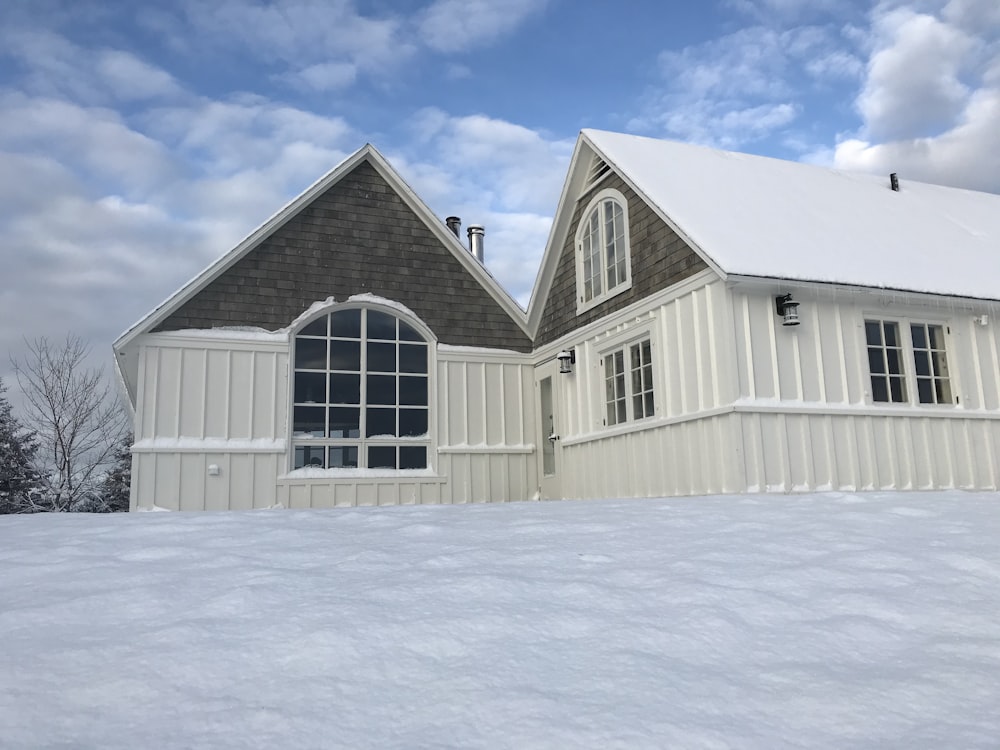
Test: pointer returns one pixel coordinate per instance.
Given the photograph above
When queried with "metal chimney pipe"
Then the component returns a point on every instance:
(454, 224)
(476, 235)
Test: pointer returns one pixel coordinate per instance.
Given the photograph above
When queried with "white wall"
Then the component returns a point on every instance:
(745, 404)
(224, 402)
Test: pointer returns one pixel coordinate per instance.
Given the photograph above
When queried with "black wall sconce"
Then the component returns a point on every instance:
(788, 309)
(567, 358)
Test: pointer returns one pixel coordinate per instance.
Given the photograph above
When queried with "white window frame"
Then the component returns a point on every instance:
(908, 358)
(363, 442)
(585, 251)
(624, 348)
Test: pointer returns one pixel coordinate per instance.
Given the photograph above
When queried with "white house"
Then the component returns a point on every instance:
(702, 322)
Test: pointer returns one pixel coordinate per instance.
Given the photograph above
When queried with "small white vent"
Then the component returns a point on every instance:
(598, 169)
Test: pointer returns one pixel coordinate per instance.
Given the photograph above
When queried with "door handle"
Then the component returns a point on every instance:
(553, 437)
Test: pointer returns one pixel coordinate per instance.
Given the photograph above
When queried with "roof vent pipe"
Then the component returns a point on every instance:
(894, 182)
(454, 224)
(476, 235)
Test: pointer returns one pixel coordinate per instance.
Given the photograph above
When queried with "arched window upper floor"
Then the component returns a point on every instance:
(603, 255)
(361, 391)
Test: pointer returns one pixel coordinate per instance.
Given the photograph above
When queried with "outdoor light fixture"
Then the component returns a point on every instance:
(788, 309)
(567, 358)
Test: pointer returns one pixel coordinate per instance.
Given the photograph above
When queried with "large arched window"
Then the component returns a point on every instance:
(603, 257)
(360, 393)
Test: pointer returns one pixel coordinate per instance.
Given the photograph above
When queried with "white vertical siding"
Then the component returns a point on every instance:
(745, 404)
(224, 403)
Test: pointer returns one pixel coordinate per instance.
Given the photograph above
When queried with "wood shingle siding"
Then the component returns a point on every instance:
(357, 237)
(659, 259)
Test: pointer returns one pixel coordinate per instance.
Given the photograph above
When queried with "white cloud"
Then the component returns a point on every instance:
(329, 76)
(491, 172)
(131, 78)
(744, 86)
(930, 104)
(460, 25)
(914, 85)
(322, 46)
(57, 67)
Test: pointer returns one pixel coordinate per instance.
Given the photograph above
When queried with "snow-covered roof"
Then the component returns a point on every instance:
(757, 216)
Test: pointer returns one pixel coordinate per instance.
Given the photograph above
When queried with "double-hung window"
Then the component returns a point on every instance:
(628, 383)
(908, 362)
(603, 256)
(360, 393)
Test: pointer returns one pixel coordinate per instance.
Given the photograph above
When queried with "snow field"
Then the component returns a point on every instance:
(830, 620)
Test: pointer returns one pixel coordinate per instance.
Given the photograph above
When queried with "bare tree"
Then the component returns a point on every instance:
(78, 420)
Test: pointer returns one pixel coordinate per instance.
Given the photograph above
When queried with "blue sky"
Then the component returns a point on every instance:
(138, 142)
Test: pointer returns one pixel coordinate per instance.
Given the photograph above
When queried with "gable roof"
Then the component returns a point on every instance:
(368, 154)
(758, 216)
(761, 217)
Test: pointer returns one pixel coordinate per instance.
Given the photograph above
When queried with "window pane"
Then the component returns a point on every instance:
(309, 421)
(412, 457)
(345, 389)
(897, 389)
(344, 457)
(380, 422)
(408, 332)
(309, 455)
(346, 324)
(413, 358)
(876, 363)
(381, 325)
(940, 363)
(650, 406)
(637, 382)
(316, 328)
(880, 389)
(345, 355)
(919, 336)
(621, 411)
(925, 391)
(412, 422)
(381, 357)
(381, 457)
(942, 389)
(893, 361)
(922, 365)
(310, 354)
(381, 389)
(891, 334)
(345, 423)
(936, 337)
(873, 332)
(413, 390)
(310, 387)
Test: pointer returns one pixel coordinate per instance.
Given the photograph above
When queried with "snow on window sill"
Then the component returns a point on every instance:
(311, 472)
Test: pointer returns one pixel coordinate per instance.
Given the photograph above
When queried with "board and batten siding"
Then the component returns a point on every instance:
(691, 444)
(212, 402)
(807, 418)
(224, 403)
(745, 404)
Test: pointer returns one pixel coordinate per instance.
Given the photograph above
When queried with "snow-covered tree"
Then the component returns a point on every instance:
(114, 489)
(19, 481)
(78, 421)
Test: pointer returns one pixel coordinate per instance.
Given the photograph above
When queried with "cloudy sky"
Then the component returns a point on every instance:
(140, 141)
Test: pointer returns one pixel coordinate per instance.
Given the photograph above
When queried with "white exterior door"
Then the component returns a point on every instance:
(547, 389)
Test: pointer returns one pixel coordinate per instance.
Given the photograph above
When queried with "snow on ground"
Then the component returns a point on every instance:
(753, 622)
